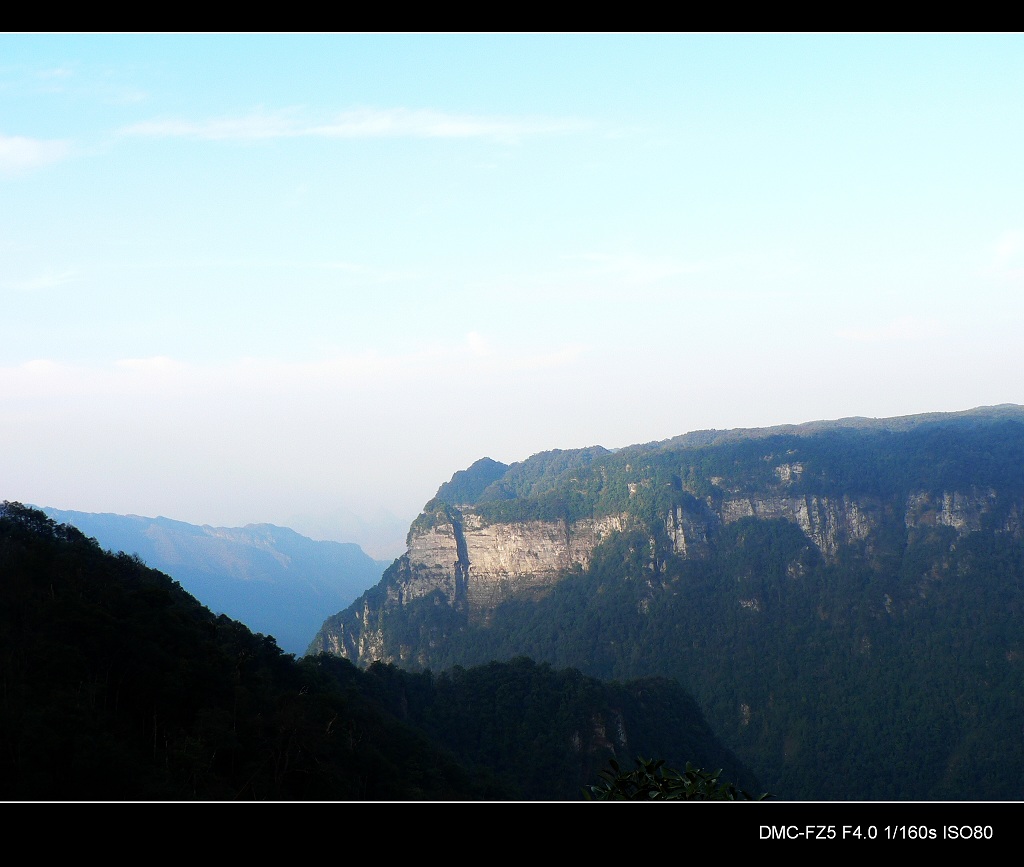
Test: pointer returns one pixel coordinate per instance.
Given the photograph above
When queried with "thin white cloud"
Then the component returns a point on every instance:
(594, 278)
(641, 269)
(49, 280)
(378, 275)
(56, 72)
(474, 356)
(85, 81)
(259, 125)
(159, 364)
(1008, 254)
(358, 123)
(562, 357)
(907, 328)
(20, 154)
(477, 344)
(1009, 244)
(424, 123)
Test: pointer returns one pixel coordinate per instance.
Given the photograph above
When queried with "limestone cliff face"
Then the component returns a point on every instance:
(471, 565)
(830, 522)
(476, 564)
(963, 511)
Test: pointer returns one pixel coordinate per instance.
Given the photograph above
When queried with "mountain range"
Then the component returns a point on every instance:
(830, 611)
(274, 580)
(844, 599)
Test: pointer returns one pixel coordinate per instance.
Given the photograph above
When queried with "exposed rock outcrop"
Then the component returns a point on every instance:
(473, 565)
(828, 522)
(477, 564)
(864, 490)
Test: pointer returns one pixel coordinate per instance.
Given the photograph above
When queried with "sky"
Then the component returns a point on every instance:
(303, 279)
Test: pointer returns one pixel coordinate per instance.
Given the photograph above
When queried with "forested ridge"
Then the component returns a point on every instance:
(889, 666)
(118, 685)
(944, 454)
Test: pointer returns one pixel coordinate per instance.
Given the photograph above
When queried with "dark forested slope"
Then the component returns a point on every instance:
(118, 685)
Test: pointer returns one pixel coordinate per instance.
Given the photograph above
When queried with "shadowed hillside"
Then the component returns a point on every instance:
(119, 685)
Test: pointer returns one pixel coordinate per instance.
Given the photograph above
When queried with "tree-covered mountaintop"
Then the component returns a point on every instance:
(894, 457)
(467, 486)
(978, 415)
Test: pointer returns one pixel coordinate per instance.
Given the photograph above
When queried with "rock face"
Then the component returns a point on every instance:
(482, 564)
(961, 510)
(467, 558)
(828, 522)
(471, 565)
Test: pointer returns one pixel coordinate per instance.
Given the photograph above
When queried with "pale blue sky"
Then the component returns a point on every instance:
(303, 279)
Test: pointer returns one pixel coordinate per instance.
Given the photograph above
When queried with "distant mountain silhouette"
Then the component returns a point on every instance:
(274, 580)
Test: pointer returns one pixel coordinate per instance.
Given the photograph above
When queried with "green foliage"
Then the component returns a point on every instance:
(650, 780)
(118, 685)
(645, 481)
(466, 486)
(543, 732)
(893, 670)
(545, 473)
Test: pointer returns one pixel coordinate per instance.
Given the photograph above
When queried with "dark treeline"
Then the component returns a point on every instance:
(118, 685)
